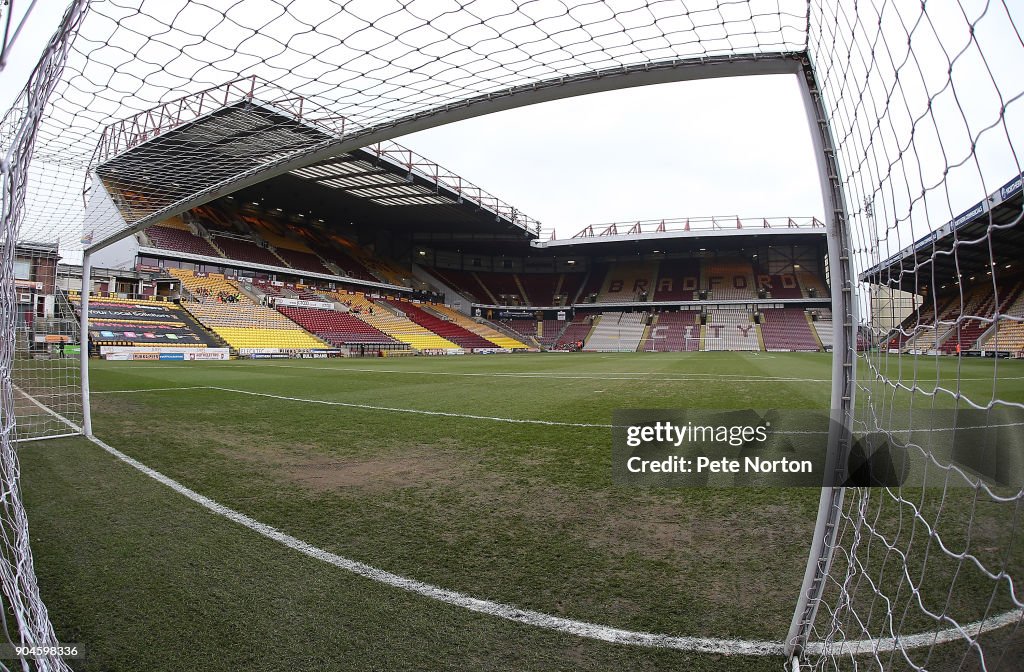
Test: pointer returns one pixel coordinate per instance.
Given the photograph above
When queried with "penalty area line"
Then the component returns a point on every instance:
(371, 407)
(152, 389)
(392, 409)
(610, 376)
(535, 618)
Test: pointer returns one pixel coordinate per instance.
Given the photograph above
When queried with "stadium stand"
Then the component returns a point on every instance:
(342, 253)
(811, 286)
(540, 288)
(567, 289)
(728, 279)
(576, 331)
(910, 327)
(549, 331)
(409, 332)
(174, 235)
(464, 282)
(1007, 335)
(965, 332)
(630, 281)
(448, 330)
(302, 261)
(211, 218)
(221, 306)
(617, 332)
(674, 332)
(782, 286)
(786, 329)
(501, 286)
(929, 335)
(141, 322)
(337, 328)
(240, 248)
(593, 282)
(730, 329)
(823, 327)
(526, 328)
(386, 271)
(678, 280)
(382, 317)
(494, 336)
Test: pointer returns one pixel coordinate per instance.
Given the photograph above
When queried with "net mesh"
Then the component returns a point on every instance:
(35, 385)
(923, 105)
(924, 102)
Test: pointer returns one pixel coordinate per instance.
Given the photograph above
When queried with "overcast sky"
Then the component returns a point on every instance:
(713, 147)
(717, 147)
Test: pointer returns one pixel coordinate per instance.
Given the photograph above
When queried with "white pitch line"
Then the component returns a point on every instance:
(861, 647)
(152, 389)
(519, 421)
(535, 618)
(652, 377)
(506, 611)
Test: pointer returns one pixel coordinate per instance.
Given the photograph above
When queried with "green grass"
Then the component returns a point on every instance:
(516, 513)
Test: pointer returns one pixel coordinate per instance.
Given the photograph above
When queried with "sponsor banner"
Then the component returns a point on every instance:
(258, 351)
(969, 216)
(268, 355)
(1012, 187)
(491, 351)
(302, 303)
(208, 354)
(121, 352)
(560, 316)
(514, 313)
(930, 238)
(28, 284)
(52, 338)
(118, 357)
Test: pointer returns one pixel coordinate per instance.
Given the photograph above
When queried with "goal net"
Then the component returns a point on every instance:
(924, 104)
(917, 114)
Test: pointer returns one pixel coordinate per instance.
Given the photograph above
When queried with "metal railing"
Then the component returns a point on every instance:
(714, 223)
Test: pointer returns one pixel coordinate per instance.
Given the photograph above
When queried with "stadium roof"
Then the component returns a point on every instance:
(961, 247)
(390, 186)
(186, 152)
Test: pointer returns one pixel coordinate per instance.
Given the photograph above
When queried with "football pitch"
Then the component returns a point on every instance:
(485, 476)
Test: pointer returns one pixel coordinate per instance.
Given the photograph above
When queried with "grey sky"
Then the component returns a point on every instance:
(714, 147)
(717, 147)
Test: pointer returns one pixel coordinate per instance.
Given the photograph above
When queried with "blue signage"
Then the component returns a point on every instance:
(1010, 188)
(970, 215)
(179, 356)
